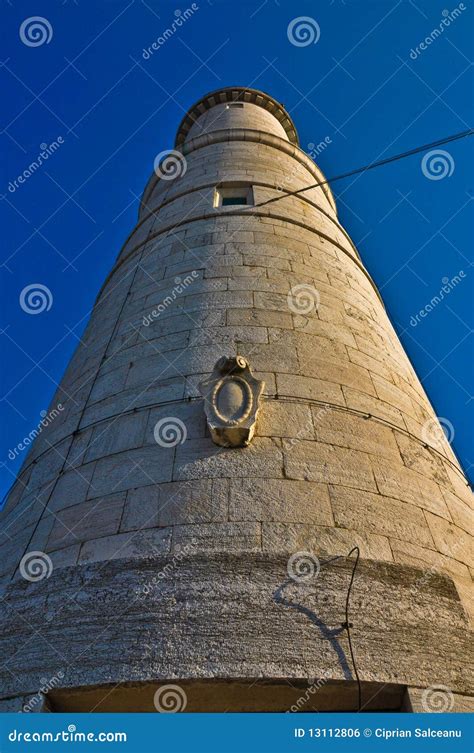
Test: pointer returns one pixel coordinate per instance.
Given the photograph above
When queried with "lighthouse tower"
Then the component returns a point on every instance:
(244, 500)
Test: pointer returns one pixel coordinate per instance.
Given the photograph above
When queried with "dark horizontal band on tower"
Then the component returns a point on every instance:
(250, 135)
(236, 94)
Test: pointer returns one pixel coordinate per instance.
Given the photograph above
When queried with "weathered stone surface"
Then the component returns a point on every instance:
(146, 543)
(89, 520)
(285, 419)
(279, 500)
(322, 540)
(352, 431)
(313, 461)
(141, 509)
(461, 513)
(245, 614)
(343, 410)
(72, 488)
(218, 537)
(396, 480)
(378, 514)
(451, 540)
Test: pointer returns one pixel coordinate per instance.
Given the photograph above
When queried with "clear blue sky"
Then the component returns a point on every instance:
(358, 85)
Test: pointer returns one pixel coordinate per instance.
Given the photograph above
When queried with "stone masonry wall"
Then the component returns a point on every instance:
(340, 457)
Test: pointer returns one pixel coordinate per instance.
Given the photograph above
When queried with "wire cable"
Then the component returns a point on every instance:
(347, 624)
(358, 170)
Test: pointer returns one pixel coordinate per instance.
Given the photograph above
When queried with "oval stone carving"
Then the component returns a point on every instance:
(231, 401)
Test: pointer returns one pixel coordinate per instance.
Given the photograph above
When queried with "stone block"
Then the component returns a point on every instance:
(200, 458)
(90, 520)
(374, 513)
(291, 385)
(65, 557)
(285, 419)
(451, 540)
(372, 405)
(151, 542)
(427, 560)
(396, 480)
(259, 318)
(345, 429)
(323, 540)
(279, 500)
(72, 488)
(128, 470)
(217, 537)
(462, 513)
(419, 458)
(315, 461)
(141, 509)
(196, 501)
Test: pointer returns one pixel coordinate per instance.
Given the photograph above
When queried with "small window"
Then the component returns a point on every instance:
(228, 201)
(233, 195)
(235, 104)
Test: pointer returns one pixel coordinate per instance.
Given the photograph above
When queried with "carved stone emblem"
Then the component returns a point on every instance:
(232, 400)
